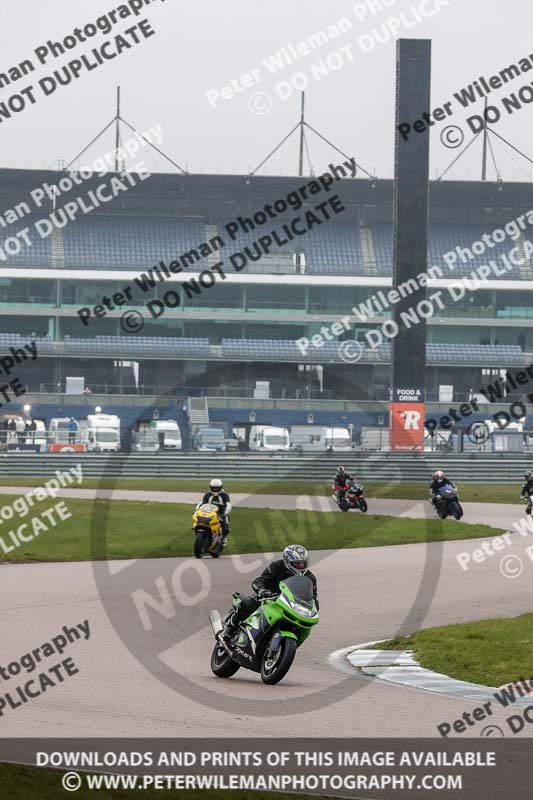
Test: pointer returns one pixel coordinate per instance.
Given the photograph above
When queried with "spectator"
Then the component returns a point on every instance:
(11, 427)
(20, 427)
(72, 430)
(87, 391)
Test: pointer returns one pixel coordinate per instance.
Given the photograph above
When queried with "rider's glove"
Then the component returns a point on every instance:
(264, 594)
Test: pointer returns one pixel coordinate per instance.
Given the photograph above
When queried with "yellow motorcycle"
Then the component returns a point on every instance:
(208, 534)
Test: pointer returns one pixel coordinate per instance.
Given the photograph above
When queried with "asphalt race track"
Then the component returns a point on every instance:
(495, 514)
(366, 594)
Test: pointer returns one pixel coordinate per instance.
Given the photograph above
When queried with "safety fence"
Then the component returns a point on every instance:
(371, 466)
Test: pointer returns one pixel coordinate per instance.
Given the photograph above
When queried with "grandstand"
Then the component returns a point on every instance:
(244, 329)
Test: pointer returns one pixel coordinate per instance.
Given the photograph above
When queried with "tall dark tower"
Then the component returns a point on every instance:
(411, 196)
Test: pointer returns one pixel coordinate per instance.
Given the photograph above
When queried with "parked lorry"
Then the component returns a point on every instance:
(100, 433)
(318, 438)
(145, 440)
(171, 434)
(268, 437)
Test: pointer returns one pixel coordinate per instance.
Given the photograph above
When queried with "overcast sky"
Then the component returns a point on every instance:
(203, 45)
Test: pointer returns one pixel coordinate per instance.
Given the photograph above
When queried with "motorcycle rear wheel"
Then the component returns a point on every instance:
(273, 670)
(222, 665)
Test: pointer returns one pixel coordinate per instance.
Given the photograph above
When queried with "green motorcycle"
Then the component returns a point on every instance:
(267, 640)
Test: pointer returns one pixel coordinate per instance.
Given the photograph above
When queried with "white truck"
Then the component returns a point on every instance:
(100, 433)
(58, 431)
(171, 433)
(318, 438)
(268, 437)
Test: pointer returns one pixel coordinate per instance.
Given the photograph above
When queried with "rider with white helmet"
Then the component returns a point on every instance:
(218, 497)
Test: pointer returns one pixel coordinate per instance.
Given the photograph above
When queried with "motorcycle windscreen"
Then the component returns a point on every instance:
(301, 586)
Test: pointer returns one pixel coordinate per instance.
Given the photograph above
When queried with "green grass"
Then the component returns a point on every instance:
(469, 492)
(138, 529)
(491, 652)
(23, 783)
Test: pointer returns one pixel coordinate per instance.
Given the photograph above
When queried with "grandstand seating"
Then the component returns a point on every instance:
(39, 253)
(258, 350)
(131, 242)
(278, 350)
(128, 242)
(334, 249)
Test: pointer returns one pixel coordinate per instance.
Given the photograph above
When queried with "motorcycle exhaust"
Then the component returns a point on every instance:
(216, 621)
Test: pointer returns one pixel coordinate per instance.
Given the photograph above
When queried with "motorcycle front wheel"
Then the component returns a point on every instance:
(363, 505)
(457, 510)
(200, 544)
(275, 668)
(222, 665)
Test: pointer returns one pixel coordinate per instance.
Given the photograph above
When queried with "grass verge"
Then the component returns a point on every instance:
(491, 652)
(134, 529)
(21, 783)
(469, 492)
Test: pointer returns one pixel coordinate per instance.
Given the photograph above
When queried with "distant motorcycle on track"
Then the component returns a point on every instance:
(447, 502)
(208, 533)
(353, 498)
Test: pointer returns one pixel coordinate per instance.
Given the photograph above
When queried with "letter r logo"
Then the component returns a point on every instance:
(411, 420)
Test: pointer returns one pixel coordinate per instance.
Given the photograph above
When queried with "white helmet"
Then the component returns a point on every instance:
(296, 559)
(216, 485)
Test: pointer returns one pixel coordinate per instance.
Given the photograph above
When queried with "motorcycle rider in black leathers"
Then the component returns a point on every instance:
(295, 561)
(341, 482)
(437, 482)
(527, 491)
(217, 497)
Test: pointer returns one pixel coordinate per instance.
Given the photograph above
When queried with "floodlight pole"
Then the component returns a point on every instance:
(302, 139)
(117, 135)
(485, 137)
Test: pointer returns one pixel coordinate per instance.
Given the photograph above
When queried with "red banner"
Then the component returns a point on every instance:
(66, 448)
(407, 414)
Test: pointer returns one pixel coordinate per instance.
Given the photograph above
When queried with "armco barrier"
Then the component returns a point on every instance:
(375, 466)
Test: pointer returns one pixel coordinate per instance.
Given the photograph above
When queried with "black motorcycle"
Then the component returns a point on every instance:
(447, 502)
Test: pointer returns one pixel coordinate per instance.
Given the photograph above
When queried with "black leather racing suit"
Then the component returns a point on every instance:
(435, 485)
(527, 491)
(269, 580)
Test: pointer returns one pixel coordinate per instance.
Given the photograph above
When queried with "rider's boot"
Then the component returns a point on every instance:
(232, 624)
